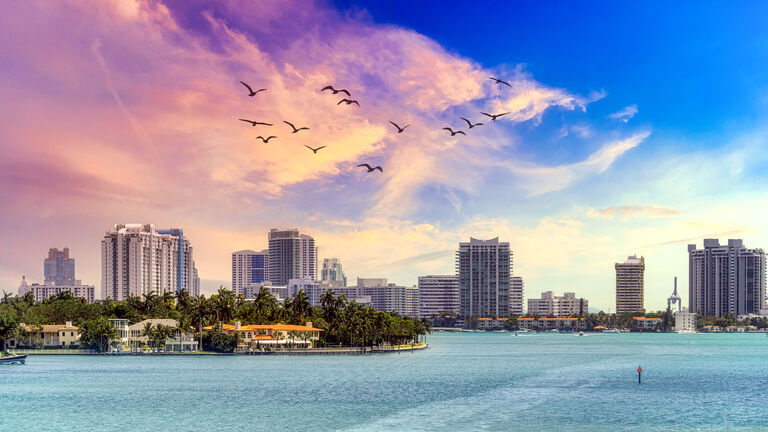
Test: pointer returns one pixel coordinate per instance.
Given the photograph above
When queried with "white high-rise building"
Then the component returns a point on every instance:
(387, 297)
(516, 295)
(332, 274)
(560, 307)
(630, 285)
(484, 268)
(137, 259)
(49, 288)
(311, 288)
(438, 294)
(292, 255)
(249, 268)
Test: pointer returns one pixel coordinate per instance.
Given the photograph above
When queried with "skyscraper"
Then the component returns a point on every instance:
(59, 268)
(484, 268)
(331, 273)
(291, 256)
(438, 294)
(248, 268)
(137, 259)
(725, 279)
(630, 285)
(516, 295)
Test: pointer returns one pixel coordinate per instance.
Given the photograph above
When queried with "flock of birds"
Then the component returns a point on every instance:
(348, 101)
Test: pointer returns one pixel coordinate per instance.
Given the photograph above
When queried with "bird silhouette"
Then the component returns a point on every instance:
(498, 81)
(335, 91)
(314, 150)
(250, 90)
(266, 140)
(469, 123)
(371, 169)
(348, 101)
(399, 129)
(454, 133)
(494, 116)
(254, 123)
(294, 127)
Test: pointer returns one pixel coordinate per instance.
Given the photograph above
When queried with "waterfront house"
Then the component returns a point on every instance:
(543, 324)
(490, 323)
(176, 342)
(48, 335)
(646, 324)
(263, 335)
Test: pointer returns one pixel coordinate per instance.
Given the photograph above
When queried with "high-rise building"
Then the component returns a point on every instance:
(560, 307)
(516, 295)
(59, 268)
(292, 255)
(249, 268)
(725, 279)
(311, 288)
(332, 274)
(484, 268)
(438, 295)
(630, 285)
(137, 259)
(48, 289)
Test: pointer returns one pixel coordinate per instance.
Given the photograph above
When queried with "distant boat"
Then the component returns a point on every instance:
(613, 330)
(11, 359)
(686, 332)
(581, 333)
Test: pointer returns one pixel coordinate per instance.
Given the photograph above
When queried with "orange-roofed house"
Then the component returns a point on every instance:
(263, 335)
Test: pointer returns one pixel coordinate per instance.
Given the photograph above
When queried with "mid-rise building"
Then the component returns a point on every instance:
(59, 268)
(630, 285)
(559, 307)
(311, 288)
(438, 294)
(332, 274)
(726, 279)
(484, 268)
(292, 255)
(249, 268)
(516, 295)
(49, 289)
(387, 297)
(137, 259)
(685, 322)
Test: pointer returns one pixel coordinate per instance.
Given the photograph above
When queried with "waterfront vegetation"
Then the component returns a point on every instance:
(345, 323)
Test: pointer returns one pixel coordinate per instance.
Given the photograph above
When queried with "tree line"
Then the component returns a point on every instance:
(345, 322)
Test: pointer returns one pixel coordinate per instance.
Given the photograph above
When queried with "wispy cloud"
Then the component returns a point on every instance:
(625, 113)
(630, 212)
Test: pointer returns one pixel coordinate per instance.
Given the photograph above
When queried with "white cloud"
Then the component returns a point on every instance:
(625, 113)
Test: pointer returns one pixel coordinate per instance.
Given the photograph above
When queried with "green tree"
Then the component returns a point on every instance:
(98, 334)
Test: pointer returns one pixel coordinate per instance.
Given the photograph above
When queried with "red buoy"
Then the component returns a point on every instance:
(639, 374)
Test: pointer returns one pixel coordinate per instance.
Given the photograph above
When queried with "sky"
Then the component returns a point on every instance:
(633, 128)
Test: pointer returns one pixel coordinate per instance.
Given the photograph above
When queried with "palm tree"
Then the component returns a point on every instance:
(149, 301)
(300, 306)
(224, 304)
(148, 331)
(200, 310)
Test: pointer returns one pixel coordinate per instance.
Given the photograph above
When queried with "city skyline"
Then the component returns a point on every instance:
(598, 159)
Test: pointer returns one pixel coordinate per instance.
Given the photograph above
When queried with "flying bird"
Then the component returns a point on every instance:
(266, 140)
(348, 102)
(469, 123)
(250, 90)
(498, 81)
(254, 123)
(314, 150)
(399, 129)
(335, 91)
(494, 116)
(294, 127)
(454, 133)
(371, 169)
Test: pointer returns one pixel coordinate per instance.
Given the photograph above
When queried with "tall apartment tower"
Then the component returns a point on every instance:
(332, 274)
(249, 268)
(59, 268)
(137, 259)
(484, 268)
(292, 255)
(725, 279)
(438, 294)
(516, 295)
(630, 285)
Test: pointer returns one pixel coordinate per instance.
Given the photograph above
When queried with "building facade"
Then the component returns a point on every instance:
(438, 294)
(559, 307)
(249, 268)
(516, 295)
(59, 268)
(42, 292)
(725, 279)
(484, 268)
(332, 274)
(685, 322)
(292, 255)
(137, 259)
(387, 297)
(630, 285)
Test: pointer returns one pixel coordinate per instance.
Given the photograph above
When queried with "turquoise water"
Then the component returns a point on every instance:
(491, 381)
